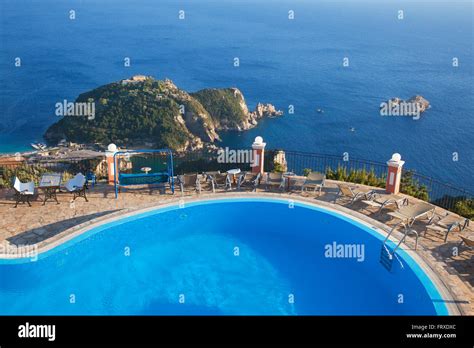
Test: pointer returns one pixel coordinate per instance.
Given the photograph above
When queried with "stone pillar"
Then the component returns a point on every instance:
(394, 176)
(258, 148)
(109, 154)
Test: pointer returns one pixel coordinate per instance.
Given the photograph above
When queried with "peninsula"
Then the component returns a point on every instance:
(144, 111)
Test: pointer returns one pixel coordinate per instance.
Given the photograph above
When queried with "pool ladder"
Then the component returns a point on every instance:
(387, 255)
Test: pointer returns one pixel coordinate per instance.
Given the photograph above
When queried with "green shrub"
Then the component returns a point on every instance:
(412, 187)
(278, 168)
(465, 208)
(457, 204)
(33, 172)
(358, 176)
(24, 172)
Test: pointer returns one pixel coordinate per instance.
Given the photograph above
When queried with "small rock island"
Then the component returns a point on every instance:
(416, 104)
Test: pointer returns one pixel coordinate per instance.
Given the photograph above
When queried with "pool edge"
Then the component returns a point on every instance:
(74, 234)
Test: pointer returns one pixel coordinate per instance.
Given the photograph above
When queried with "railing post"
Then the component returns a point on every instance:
(109, 154)
(394, 176)
(258, 148)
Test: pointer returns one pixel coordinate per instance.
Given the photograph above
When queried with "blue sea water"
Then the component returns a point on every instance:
(197, 261)
(285, 62)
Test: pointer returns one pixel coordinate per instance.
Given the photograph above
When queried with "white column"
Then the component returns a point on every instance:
(109, 154)
(395, 165)
(258, 152)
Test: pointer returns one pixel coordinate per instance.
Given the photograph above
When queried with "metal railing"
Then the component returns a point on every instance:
(362, 171)
(442, 194)
(335, 167)
(33, 169)
(297, 162)
(203, 161)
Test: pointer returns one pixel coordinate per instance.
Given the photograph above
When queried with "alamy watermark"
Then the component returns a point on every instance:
(20, 251)
(345, 251)
(227, 155)
(83, 109)
(28, 330)
(398, 107)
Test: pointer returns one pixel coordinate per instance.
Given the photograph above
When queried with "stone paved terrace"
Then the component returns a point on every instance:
(52, 224)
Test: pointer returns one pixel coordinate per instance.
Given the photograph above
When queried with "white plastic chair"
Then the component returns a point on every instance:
(77, 186)
(23, 191)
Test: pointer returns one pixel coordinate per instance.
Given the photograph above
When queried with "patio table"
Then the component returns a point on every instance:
(233, 172)
(50, 184)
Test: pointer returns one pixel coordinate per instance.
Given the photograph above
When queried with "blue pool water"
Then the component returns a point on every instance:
(189, 254)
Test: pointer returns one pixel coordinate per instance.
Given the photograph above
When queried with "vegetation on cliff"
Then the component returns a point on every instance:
(142, 110)
(126, 114)
(226, 106)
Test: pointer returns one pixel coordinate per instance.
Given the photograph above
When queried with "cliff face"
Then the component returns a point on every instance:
(226, 107)
(192, 114)
(143, 110)
(229, 111)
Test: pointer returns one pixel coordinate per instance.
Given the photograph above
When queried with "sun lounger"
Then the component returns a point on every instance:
(353, 193)
(468, 242)
(189, 181)
(206, 180)
(248, 179)
(314, 180)
(77, 186)
(221, 180)
(23, 191)
(208, 175)
(274, 180)
(382, 201)
(449, 223)
(294, 182)
(411, 213)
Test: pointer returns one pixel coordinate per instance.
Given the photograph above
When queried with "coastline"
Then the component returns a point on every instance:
(10, 148)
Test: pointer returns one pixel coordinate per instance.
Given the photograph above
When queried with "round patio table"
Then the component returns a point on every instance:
(145, 169)
(233, 172)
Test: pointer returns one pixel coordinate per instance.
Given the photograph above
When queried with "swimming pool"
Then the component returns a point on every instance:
(223, 257)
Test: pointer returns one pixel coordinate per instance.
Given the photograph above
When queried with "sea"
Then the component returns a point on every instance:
(344, 57)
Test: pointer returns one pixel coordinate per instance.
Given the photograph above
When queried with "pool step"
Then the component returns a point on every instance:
(386, 257)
